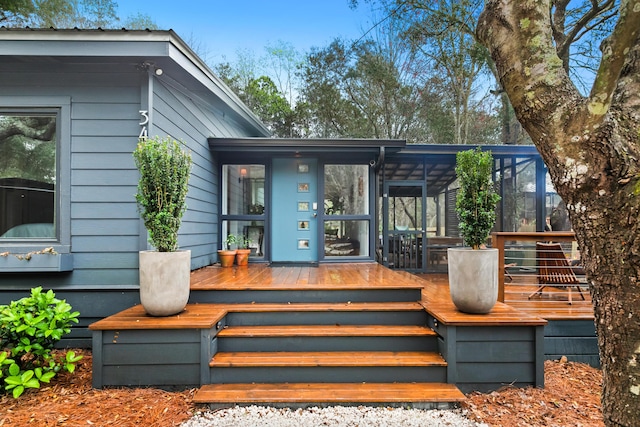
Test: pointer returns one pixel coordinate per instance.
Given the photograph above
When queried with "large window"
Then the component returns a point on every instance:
(346, 210)
(243, 204)
(28, 150)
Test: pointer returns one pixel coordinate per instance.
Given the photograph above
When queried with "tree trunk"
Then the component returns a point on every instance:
(591, 147)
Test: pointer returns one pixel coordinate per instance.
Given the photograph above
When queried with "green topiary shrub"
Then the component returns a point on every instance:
(477, 198)
(29, 329)
(162, 189)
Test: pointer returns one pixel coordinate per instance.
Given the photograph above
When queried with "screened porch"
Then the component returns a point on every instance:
(418, 190)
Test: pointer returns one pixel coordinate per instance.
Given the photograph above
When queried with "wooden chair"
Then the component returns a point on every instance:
(555, 270)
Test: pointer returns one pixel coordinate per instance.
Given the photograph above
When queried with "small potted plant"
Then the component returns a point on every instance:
(162, 190)
(243, 252)
(473, 270)
(227, 254)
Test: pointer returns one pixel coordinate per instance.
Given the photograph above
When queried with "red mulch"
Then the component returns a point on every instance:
(70, 401)
(571, 397)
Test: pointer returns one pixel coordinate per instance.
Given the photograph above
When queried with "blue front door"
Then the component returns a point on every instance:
(294, 211)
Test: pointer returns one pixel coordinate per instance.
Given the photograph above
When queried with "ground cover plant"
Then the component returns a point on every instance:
(29, 330)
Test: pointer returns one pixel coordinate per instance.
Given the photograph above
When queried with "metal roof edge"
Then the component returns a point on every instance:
(80, 34)
(303, 144)
(453, 148)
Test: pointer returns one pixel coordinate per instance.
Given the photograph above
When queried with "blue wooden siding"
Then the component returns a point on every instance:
(181, 116)
(102, 178)
(106, 230)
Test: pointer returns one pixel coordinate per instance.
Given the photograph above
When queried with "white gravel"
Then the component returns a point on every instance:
(352, 416)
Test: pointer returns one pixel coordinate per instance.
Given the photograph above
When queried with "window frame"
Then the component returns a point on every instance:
(226, 218)
(61, 106)
(368, 217)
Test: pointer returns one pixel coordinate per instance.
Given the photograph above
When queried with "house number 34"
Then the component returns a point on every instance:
(144, 120)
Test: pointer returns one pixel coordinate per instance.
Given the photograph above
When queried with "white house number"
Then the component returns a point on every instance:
(144, 121)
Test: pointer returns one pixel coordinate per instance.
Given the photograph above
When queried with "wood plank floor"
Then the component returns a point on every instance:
(552, 305)
(195, 316)
(518, 309)
(324, 276)
(434, 288)
(199, 316)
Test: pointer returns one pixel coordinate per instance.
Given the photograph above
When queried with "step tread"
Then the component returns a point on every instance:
(325, 331)
(326, 358)
(320, 306)
(205, 315)
(328, 393)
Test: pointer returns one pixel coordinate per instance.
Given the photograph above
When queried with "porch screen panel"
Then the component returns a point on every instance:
(516, 178)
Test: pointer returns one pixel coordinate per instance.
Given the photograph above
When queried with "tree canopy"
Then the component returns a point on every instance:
(87, 14)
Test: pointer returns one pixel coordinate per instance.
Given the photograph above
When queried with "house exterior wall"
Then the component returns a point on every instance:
(175, 114)
(99, 223)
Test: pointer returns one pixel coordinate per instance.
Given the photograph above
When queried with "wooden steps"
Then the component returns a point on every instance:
(326, 331)
(327, 358)
(419, 395)
(348, 333)
(349, 330)
(325, 306)
(337, 355)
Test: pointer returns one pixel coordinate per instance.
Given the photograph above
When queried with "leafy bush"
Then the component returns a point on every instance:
(162, 189)
(477, 198)
(29, 329)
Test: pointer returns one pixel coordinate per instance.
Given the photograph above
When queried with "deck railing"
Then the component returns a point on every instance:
(519, 261)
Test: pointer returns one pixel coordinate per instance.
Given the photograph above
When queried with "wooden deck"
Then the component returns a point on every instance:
(324, 276)
(552, 305)
(435, 295)
(282, 332)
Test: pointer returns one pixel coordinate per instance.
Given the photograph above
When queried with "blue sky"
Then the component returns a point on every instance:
(224, 26)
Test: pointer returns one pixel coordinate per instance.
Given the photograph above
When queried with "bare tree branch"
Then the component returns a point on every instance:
(18, 127)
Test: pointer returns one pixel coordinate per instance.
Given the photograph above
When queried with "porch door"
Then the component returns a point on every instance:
(404, 225)
(294, 217)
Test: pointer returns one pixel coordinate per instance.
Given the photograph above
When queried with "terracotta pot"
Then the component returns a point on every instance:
(164, 281)
(242, 257)
(226, 257)
(473, 279)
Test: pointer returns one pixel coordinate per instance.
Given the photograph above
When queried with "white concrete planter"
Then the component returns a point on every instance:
(473, 279)
(164, 281)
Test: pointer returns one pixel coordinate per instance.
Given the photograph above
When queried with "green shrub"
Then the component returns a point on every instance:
(477, 198)
(162, 189)
(29, 329)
